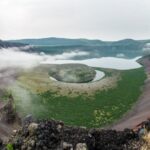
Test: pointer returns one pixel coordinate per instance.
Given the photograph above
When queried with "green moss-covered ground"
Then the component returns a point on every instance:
(98, 110)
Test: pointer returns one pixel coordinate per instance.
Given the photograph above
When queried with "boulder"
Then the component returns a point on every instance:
(32, 128)
(81, 146)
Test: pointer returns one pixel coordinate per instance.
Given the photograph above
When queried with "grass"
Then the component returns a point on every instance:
(9, 147)
(102, 108)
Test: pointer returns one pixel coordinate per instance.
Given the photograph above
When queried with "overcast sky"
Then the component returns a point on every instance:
(98, 19)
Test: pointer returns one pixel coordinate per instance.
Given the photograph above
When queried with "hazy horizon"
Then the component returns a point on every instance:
(73, 38)
(107, 20)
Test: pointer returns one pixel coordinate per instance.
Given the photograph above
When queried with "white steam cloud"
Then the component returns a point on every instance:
(121, 55)
(13, 57)
(69, 55)
(146, 49)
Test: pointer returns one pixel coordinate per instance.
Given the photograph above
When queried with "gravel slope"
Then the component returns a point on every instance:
(141, 110)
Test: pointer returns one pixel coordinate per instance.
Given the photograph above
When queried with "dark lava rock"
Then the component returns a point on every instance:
(53, 135)
(45, 135)
(27, 120)
(111, 139)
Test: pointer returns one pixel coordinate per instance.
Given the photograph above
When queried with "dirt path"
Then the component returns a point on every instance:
(141, 110)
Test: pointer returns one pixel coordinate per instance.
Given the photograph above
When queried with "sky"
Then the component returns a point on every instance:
(93, 19)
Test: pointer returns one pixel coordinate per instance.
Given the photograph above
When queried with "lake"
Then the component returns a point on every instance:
(103, 62)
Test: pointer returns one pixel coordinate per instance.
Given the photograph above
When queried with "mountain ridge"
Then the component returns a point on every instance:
(53, 41)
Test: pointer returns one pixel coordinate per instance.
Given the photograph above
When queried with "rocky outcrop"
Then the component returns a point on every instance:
(46, 135)
(8, 113)
(72, 73)
(54, 135)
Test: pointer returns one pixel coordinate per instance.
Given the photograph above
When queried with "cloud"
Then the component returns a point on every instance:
(146, 49)
(70, 55)
(14, 57)
(120, 55)
(103, 19)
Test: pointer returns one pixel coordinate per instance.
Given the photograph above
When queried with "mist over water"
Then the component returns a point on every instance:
(14, 57)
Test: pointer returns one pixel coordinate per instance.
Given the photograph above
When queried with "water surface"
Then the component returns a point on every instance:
(103, 62)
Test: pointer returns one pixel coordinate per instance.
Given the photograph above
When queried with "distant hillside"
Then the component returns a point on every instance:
(52, 41)
(124, 48)
(4, 44)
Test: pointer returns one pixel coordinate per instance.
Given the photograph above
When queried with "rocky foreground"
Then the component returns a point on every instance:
(54, 135)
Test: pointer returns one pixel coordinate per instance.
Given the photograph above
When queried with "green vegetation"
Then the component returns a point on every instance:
(91, 111)
(9, 147)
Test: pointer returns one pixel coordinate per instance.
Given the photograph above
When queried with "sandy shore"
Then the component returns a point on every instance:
(141, 110)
